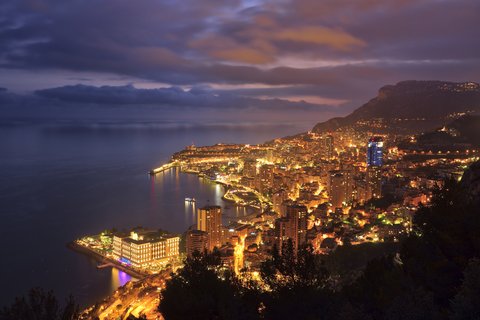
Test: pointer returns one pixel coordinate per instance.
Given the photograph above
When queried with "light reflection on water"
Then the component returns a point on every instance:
(119, 278)
(62, 181)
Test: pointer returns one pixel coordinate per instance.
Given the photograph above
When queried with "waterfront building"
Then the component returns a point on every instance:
(209, 219)
(146, 248)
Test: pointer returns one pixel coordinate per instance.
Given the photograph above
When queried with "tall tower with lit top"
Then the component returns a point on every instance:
(374, 167)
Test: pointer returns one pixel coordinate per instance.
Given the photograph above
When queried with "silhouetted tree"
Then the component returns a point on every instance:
(445, 238)
(466, 302)
(297, 280)
(198, 292)
(40, 305)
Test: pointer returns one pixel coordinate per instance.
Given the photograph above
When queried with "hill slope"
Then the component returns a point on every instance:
(411, 107)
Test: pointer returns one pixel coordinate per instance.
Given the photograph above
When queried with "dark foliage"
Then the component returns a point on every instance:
(435, 276)
(446, 236)
(466, 302)
(198, 292)
(40, 305)
(297, 281)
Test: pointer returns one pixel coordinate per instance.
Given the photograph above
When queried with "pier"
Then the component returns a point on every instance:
(162, 168)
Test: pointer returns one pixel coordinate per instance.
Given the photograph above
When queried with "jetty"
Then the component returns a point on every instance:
(162, 168)
(104, 261)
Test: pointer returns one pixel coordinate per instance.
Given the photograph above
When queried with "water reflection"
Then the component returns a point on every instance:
(119, 278)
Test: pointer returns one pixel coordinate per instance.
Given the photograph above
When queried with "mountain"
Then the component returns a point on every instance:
(410, 107)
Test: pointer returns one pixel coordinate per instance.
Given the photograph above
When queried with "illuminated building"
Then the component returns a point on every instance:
(374, 182)
(293, 226)
(329, 147)
(250, 168)
(282, 232)
(142, 249)
(298, 221)
(209, 219)
(196, 240)
(374, 168)
(340, 187)
(375, 152)
(278, 197)
(266, 176)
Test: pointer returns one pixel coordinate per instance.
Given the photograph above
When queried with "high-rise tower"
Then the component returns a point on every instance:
(375, 152)
(209, 219)
(374, 167)
(250, 168)
(328, 147)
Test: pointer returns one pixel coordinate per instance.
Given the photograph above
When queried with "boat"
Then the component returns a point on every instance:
(189, 199)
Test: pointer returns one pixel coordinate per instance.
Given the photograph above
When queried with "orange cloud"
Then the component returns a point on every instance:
(335, 38)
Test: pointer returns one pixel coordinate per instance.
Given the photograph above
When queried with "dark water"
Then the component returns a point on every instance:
(61, 181)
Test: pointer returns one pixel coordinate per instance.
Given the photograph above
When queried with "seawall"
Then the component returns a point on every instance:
(101, 258)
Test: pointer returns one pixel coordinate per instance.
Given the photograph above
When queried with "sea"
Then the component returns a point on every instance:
(63, 179)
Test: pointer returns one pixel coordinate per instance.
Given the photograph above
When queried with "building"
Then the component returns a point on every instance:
(209, 219)
(340, 187)
(329, 147)
(146, 248)
(293, 226)
(196, 240)
(375, 152)
(374, 168)
(250, 168)
(374, 182)
(282, 232)
(266, 175)
(298, 224)
(278, 197)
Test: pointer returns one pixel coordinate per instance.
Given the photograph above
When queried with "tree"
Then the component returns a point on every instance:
(297, 280)
(197, 291)
(445, 238)
(290, 269)
(40, 305)
(465, 303)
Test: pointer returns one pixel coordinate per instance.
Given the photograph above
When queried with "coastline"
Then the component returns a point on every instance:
(105, 260)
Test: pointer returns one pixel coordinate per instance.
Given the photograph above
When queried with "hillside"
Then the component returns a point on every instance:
(411, 107)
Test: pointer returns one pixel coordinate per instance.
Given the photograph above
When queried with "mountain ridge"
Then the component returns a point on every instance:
(410, 107)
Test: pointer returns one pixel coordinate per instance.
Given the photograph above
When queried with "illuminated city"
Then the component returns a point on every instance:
(248, 159)
(315, 189)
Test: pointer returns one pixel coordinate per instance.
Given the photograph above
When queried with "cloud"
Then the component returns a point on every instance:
(342, 49)
(196, 97)
(243, 54)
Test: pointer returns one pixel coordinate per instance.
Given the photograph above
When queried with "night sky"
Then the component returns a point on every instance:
(225, 60)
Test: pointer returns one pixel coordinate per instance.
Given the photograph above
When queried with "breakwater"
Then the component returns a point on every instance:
(105, 260)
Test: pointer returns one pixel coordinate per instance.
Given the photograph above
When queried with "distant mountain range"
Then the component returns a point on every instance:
(411, 107)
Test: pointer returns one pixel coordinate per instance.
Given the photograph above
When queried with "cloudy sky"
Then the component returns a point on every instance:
(225, 60)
